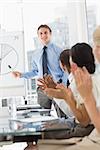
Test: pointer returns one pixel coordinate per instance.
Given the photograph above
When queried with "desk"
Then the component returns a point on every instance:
(25, 135)
(25, 131)
(16, 131)
(29, 135)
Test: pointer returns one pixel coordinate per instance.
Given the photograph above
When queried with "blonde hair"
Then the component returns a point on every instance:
(96, 36)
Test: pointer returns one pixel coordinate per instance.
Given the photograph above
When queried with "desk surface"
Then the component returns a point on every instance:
(22, 128)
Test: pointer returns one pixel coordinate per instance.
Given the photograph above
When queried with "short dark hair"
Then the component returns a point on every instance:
(44, 26)
(82, 55)
(65, 57)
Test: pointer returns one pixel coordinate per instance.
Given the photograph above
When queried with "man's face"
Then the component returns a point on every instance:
(96, 51)
(44, 35)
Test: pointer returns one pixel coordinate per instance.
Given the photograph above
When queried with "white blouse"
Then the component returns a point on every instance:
(97, 68)
(96, 90)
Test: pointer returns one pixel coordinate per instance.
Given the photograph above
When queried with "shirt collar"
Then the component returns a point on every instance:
(48, 45)
(70, 77)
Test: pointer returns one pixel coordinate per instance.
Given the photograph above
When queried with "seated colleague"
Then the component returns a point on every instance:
(65, 66)
(82, 54)
(73, 129)
(84, 83)
(96, 48)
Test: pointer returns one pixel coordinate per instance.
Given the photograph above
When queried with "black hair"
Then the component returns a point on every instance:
(82, 55)
(44, 26)
(64, 57)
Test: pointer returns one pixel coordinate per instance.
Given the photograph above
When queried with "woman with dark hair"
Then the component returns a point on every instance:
(81, 54)
(65, 61)
(84, 83)
(91, 84)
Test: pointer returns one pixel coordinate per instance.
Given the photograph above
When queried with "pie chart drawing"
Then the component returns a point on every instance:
(8, 59)
(12, 58)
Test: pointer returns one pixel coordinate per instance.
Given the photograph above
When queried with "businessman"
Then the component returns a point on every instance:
(45, 60)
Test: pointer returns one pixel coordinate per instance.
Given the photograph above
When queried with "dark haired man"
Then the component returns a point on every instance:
(52, 65)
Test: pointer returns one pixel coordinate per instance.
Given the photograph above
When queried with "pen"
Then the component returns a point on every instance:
(9, 67)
